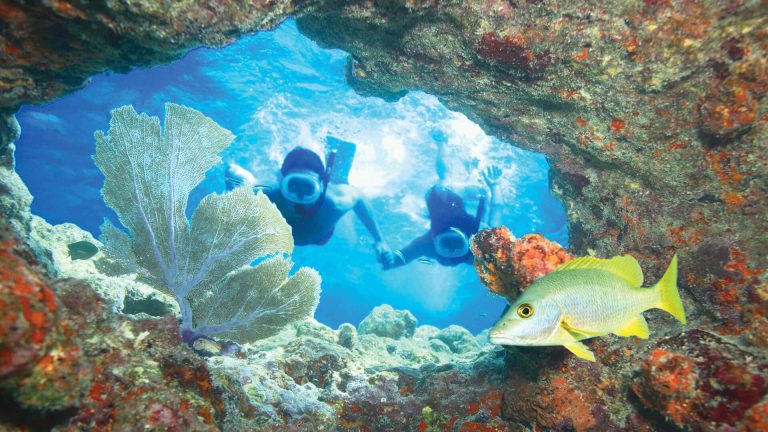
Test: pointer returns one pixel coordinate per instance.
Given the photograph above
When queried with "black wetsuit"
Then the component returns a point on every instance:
(310, 225)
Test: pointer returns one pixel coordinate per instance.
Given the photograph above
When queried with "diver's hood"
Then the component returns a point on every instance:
(451, 243)
(301, 187)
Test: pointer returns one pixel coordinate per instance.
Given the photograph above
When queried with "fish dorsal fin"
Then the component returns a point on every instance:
(580, 350)
(624, 266)
(577, 333)
(636, 326)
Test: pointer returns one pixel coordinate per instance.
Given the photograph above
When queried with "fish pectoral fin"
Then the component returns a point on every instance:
(577, 333)
(636, 326)
(580, 350)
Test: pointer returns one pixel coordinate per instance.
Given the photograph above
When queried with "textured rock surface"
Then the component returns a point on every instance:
(301, 379)
(653, 115)
(122, 293)
(696, 380)
(507, 265)
(29, 309)
(458, 339)
(75, 365)
(699, 381)
(387, 322)
(51, 48)
(67, 362)
(15, 198)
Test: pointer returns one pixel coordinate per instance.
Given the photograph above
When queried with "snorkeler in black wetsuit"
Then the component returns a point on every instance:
(311, 204)
(451, 227)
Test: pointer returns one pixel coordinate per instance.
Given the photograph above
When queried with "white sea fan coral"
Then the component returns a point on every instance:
(205, 265)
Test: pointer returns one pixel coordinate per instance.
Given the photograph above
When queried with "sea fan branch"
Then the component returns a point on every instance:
(148, 178)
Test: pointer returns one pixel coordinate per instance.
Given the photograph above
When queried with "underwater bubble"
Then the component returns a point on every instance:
(82, 250)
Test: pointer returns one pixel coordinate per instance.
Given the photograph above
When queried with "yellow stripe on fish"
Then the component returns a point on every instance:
(584, 298)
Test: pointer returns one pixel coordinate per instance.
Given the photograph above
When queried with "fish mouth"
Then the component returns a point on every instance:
(497, 339)
(517, 340)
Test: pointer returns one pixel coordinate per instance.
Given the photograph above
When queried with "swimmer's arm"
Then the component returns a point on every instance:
(492, 216)
(492, 176)
(364, 213)
(420, 247)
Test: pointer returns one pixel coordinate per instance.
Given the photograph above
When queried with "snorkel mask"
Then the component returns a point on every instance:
(302, 187)
(452, 243)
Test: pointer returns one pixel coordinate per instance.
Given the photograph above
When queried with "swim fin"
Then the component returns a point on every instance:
(342, 160)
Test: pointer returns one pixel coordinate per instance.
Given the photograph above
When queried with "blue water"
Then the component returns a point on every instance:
(275, 91)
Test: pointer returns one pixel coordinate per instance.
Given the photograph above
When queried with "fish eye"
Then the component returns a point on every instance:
(524, 310)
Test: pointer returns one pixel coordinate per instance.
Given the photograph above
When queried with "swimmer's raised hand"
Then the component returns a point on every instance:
(492, 175)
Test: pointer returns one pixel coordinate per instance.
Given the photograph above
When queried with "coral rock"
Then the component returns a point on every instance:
(513, 54)
(458, 339)
(347, 335)
(309, 360)
(698, 380)
(28, 314)
(507, 265)
(69, 352)
(652, 115)
(387, 322)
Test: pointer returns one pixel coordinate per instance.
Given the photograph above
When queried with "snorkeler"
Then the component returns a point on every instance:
(310, 201)
(451, 227)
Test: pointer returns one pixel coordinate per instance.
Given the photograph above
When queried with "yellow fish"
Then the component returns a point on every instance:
(585, 298)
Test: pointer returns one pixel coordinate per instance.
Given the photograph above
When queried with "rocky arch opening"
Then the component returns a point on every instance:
(277, 90)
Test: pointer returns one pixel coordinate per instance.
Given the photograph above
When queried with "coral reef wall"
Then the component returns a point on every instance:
(50, 48)
(653, 115)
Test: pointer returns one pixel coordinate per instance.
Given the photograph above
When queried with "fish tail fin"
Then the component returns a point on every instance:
(669, 297)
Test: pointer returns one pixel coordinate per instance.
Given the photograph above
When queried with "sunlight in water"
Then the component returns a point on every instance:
(277, 90)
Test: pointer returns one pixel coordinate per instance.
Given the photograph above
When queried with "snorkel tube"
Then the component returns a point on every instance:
(329, 160)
